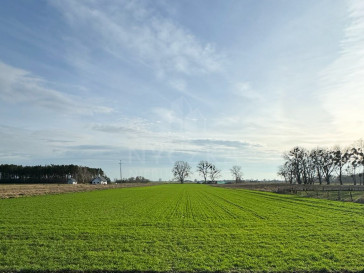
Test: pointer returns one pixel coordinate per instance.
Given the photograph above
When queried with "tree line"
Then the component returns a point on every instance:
(47, 174)
(303, 166)
(207, 170)
(137, 179)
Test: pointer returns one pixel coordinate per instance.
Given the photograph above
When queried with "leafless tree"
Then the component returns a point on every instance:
(353, 163)
(303, 166)
(181, 171)
(328, 164)
(318, 162)
(340, 157)
(310, 168)
(214, 173)
(297, 160)
(203, 168)
(286, 171)
(360, 162)
(359, 144)
(237, 173)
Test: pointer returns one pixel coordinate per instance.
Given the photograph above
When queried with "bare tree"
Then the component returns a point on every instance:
(360, 161)
(340, 157)
(310, 168)
(203, 168)
(328, 164)
(318, 162)
(286, 171)
(181, 171)
(237, 173)
(351, 171)
(359, 144)
(296, 158)
(214, 173)
(353, 163)
(303, 166)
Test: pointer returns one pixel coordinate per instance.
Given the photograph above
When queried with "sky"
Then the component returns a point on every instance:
(235, 82)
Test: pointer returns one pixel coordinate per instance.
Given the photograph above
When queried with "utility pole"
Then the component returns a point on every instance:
(121, 177)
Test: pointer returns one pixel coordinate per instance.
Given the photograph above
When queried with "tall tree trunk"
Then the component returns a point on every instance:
(340, 176)
(305, 177)
(319, 176)
(327, 178)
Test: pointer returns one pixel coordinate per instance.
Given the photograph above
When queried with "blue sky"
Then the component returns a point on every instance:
(152, 82)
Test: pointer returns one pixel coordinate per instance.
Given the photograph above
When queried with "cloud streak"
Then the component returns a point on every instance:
(342, 82)
(18, 86)
(140, 32)
(222, 143)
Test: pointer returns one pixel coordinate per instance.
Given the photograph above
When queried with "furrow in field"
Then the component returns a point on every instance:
(239, 205)
(269, 209)
(231, 210)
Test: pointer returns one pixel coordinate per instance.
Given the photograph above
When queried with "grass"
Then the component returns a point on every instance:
(335, 192)
(180, 228)
(346, 196)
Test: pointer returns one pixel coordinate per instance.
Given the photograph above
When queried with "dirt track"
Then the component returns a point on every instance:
(20, 190)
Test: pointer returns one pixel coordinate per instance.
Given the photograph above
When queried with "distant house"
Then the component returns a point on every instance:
(71, 181)
(99, 180)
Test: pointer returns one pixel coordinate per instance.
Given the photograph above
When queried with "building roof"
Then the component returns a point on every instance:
(101, 178)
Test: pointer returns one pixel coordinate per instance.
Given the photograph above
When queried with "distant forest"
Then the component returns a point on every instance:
(47, 174)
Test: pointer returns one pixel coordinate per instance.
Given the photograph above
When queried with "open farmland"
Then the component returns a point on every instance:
(180, 228)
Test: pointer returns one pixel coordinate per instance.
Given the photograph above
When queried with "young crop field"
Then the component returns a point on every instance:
(180, 228)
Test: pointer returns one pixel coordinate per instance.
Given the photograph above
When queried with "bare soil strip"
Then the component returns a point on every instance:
(21, 190)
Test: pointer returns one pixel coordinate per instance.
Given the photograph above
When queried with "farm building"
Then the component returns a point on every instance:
(71, 181)
(99, 180)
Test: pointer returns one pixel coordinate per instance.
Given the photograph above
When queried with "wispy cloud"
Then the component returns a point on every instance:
(244, 89)
(18, 86)
(218, 143)
(135, 126)
(168, 115)
(178, 84)
(136, 30)
(342, 81)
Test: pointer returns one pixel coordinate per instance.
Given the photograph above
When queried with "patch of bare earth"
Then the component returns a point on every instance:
(20, 190)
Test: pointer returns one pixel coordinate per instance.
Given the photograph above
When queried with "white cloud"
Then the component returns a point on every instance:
(18, 86)
(132, 30)
(244, 89)
(136, 126)
(178, 84)
(167, 115)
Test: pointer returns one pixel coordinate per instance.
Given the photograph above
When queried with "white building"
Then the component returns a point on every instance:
(99, 180)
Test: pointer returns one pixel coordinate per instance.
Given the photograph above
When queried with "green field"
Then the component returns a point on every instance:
(180, 228)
